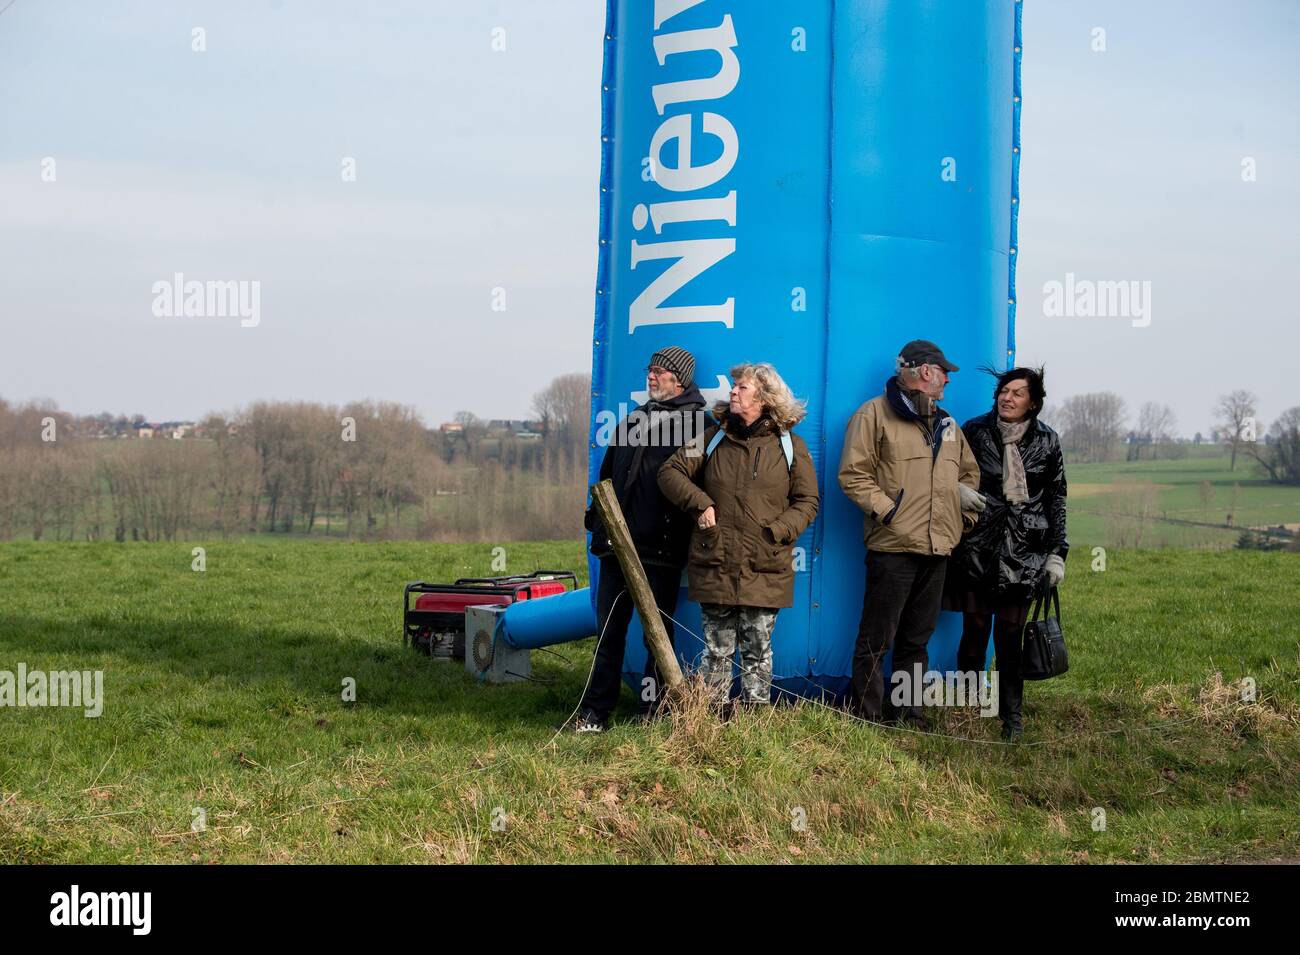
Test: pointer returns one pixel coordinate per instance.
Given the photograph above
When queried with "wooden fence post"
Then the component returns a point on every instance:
(620, 539)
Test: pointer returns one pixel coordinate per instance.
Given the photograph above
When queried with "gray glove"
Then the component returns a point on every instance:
(1054, 568)
(971, 499)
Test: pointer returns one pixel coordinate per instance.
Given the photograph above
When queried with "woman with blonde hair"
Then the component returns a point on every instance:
(752, 491)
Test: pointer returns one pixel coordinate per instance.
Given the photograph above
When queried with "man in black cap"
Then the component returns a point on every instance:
(674, 415)
(908, 466)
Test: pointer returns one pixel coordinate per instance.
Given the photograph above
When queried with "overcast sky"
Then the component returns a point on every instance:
(478, 169)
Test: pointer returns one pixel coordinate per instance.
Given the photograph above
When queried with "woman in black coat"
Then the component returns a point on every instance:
(1017, 547)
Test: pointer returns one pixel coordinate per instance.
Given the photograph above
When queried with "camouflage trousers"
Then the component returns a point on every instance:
(751, 627)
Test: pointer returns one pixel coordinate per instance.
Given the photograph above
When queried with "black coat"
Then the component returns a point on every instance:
(661, 533)
(1002, 556)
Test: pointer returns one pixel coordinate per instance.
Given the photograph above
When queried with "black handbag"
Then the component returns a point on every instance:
(1043, 655)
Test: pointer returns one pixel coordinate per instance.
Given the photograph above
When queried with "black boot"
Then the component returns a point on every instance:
(1011, 692)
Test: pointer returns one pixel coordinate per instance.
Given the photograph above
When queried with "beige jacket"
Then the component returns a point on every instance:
(908, 490)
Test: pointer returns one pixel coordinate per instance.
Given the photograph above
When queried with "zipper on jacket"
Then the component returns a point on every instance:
(757, 452)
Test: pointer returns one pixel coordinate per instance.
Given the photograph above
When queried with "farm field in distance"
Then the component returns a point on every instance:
(1183, 502)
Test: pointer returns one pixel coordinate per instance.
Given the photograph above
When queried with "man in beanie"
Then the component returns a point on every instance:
(908, 466)
(673, 416)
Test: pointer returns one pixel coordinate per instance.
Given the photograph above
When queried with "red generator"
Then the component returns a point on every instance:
(436, 624)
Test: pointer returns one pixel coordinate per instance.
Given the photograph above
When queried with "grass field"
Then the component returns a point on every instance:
(223, 694)
(1105, 499)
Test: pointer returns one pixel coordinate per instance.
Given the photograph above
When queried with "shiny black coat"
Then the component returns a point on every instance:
(1002, 556)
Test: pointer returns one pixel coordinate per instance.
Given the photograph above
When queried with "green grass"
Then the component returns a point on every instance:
(223, 692)
(1101, 493)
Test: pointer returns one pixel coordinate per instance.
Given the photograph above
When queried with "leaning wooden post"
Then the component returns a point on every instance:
(620, 539)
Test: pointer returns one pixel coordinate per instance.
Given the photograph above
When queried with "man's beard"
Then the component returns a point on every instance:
(924, 403)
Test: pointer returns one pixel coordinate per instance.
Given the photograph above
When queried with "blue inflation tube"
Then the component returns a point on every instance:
(548, 620)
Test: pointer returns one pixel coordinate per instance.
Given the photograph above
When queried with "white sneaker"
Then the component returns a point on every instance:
(588, 724)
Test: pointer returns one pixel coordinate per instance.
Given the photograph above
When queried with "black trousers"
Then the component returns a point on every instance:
(613, 614)
(1006, 645)
(899, 611)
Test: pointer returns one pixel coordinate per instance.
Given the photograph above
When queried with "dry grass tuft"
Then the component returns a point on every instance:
(1231, 708)
(695, 729)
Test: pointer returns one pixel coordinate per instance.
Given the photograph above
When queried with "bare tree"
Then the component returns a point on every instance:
(1156, 426)
(564, 404)
(1280, 455)
(430, 479)
(379, 466)
(232, 473)
(472, 430)
(11, 491)
(268, 427)
(1236, 412)
(316, 431)
(1206, 492)
(564, 408)
(544, 411)
(573, 404)
(1091, 424)
(154, 486)
(278, 467)
(330, 450)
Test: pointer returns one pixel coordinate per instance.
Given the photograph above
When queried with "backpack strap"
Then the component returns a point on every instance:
(787, 447)
(717, 440)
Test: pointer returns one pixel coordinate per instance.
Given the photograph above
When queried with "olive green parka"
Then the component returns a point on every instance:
(762, 507)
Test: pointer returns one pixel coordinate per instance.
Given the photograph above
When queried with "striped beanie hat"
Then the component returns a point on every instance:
(677, 360)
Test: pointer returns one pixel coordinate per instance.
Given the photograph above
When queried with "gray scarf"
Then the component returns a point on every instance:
(1015, 486)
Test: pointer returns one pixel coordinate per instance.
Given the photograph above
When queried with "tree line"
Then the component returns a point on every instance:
(366, 469)
(1094, 427)
(375, 470)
